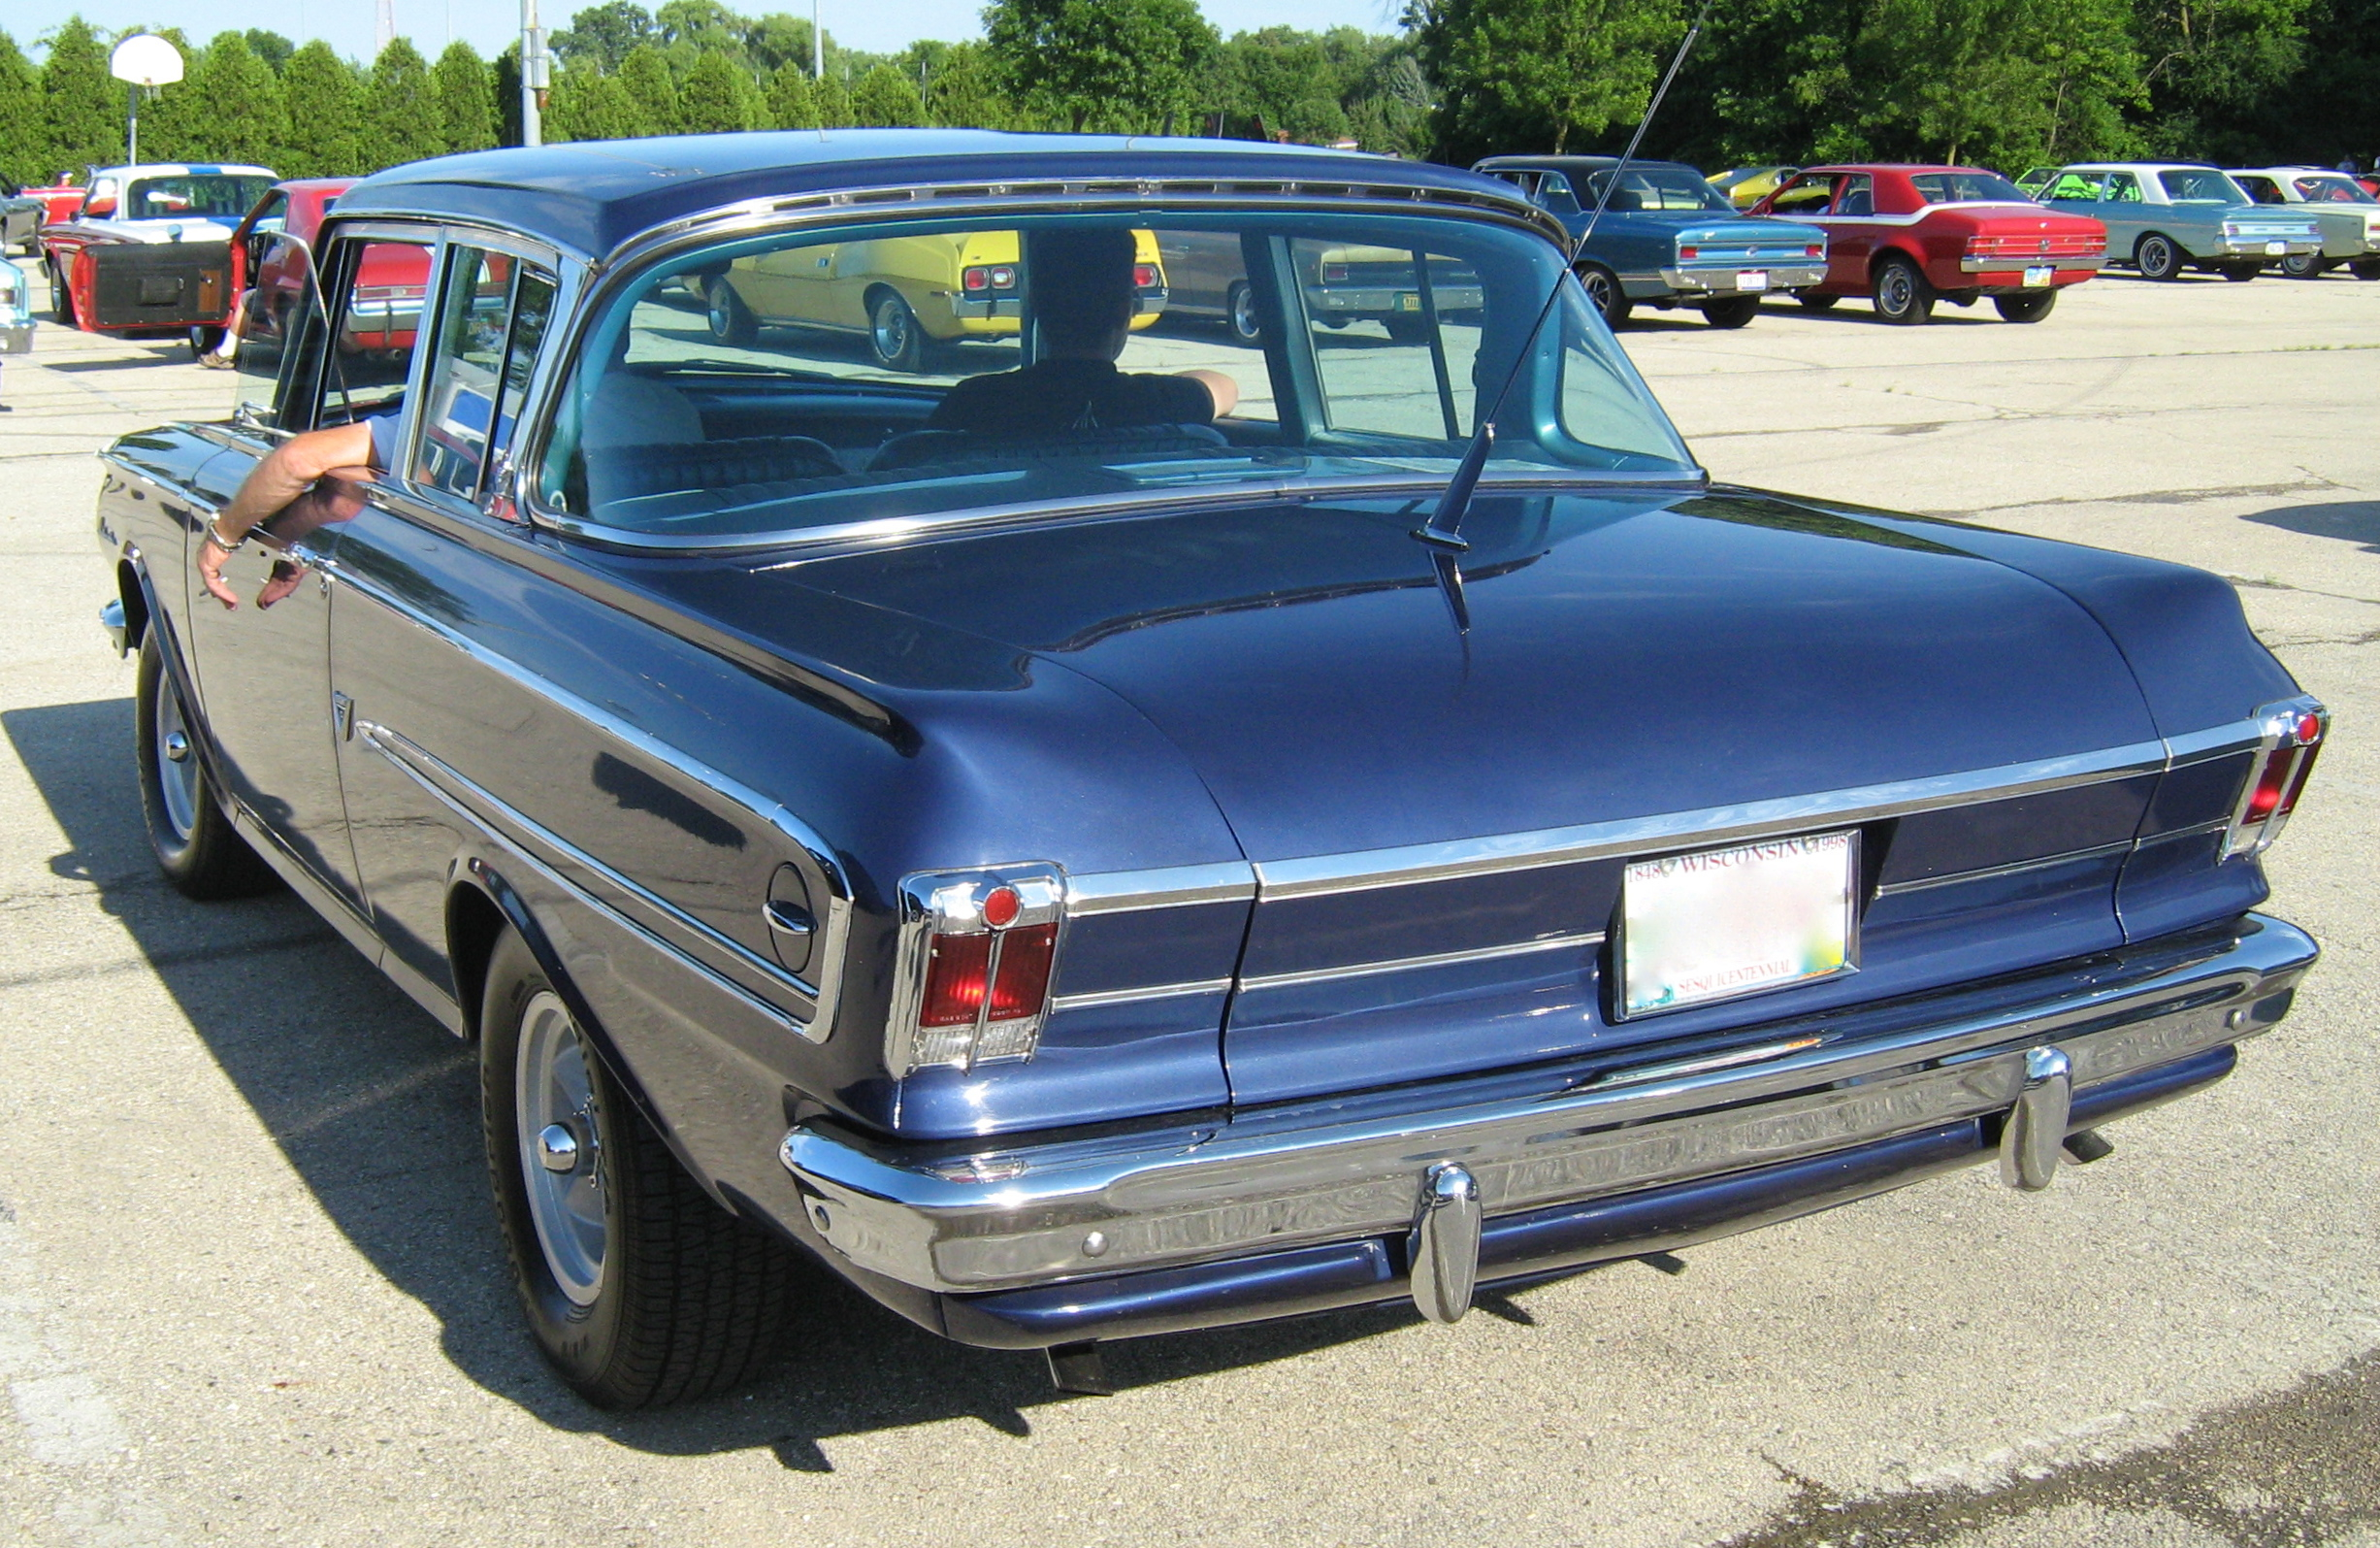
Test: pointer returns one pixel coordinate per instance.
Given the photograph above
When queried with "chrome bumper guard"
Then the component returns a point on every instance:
(2056, 261)
(1722, 281)
(1036, 1215)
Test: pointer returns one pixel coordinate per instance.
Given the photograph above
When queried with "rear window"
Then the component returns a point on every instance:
(891, 371)
(208, 195)
(2202, 184)
(1968, 188)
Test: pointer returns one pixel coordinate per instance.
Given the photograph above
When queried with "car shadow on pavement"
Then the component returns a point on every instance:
(375, 1107)
(2355, 521)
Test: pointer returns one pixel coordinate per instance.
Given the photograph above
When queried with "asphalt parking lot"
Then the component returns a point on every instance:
(251, 1290)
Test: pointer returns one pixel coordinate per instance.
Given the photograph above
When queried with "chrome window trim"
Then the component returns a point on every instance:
(1438, 959)
(1167, 887)
(825, 989)
(1128, 996)
(1316, 875)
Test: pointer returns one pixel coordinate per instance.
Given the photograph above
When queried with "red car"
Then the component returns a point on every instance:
(1909, 236)
(268, 273)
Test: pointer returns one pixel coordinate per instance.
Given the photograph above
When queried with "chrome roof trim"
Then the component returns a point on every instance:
(1168, 887)
(1441, 959)
(1317, 875)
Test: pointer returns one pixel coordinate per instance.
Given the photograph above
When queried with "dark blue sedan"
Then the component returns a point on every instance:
(1104, 829)
(1667, 238)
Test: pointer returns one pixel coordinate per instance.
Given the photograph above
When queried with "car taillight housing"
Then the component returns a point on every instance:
(1689, 254)
(2289, 736)
(1815, 249)
(977, 277)
(1144, 277)
(978, 952)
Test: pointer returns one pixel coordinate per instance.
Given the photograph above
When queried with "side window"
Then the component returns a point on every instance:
(1554, 192)
(2073, 187)
(2264, 190)
(376, 324)
(1856, 197)
(1395, 334)
(2122, 188)
(490, 318)
(280, 326)
(1804, 196)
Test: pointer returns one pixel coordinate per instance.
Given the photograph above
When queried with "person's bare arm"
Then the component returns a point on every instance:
(287, 471)
(1221, 389)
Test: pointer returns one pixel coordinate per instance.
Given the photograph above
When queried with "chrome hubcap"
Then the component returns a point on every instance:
(1243, 313)
(892, 329)
(561, 1151)
(177, 773)
(2154, 256)
(1896, 295)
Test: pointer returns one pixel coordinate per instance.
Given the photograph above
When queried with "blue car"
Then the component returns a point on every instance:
(1668, 238)
(1119, 831)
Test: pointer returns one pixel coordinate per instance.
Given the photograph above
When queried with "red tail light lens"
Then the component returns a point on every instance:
(978, 951)
(1816, 250)
(1144, 276)
(2292, 737)
(1688, 254)
(1334, 273)
(975, 279)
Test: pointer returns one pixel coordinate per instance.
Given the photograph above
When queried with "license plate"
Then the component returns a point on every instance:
(1726, 922)
(2039, 274)
(1752, 279)
(2275, 250)
(1409, 303)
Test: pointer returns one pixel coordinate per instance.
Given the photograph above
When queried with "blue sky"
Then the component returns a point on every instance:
(870, 24)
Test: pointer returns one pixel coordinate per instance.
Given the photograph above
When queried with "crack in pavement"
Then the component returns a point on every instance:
(2294, 1466)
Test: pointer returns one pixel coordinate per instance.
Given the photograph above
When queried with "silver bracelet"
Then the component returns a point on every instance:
(215, 535)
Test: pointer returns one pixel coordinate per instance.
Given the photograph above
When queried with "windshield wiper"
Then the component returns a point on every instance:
(1444, 531)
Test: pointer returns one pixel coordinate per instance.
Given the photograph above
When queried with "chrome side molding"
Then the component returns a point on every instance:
(1445, 1248)
(2035, 1129)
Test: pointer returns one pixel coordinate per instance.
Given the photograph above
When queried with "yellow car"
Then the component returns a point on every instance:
(900, 292)
(1746, 186)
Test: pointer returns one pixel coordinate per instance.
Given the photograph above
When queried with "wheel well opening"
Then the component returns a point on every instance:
(474, 923)
(136, 603)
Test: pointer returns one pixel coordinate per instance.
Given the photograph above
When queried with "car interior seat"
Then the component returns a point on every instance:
(1858, 202)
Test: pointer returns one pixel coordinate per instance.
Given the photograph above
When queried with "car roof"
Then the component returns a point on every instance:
(182, 169)
(2139, 166)
(591, 197)
(1912, 167)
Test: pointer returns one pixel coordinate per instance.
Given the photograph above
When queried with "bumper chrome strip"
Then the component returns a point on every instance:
(1271, 1181)
(2015, 867)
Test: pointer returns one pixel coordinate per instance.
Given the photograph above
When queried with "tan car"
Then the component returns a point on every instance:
(900, 293)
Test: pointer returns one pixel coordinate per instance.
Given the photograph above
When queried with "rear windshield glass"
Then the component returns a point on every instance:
(1967, 187)
(205, 195)
(1660, 188)
(2332, 190)
(886, 372)
(2199, 184)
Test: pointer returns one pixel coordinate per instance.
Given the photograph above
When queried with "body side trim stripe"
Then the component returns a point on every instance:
(2015, 867)
(1443, 959)
(1126, 996)
(1165, 887)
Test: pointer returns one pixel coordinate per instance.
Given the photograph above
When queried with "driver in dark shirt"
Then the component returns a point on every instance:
(1084, 300)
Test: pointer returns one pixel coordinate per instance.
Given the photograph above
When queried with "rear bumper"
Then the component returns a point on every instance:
(1692, 284)
(1282, 1211)
(2226, 249)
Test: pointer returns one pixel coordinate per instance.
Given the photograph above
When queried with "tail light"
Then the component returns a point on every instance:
(1334, 274)
(1816, 250)
(1144, 277)
(977, 952)
(978, 277)
(1687, 255)
(1982, 246)
(2291, 736)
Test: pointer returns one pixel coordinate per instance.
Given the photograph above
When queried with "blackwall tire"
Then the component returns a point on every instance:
(2157, 257)
(639, 1289)
(1733, 313)
(1901, 293)
(730, 320)
(195, 845)
(1603, 288)
(1817, 303)
(2026, 305)
(894, 335)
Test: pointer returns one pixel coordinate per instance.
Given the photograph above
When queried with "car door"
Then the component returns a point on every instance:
(2125, 211)
(263, 662)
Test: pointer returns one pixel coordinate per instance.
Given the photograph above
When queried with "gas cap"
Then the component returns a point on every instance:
(792, 927)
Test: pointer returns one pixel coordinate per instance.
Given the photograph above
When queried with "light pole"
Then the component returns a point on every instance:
(818, 46)
(535, 74)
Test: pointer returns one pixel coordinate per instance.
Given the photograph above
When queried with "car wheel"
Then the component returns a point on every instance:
(1240, 310)
(1902, 294)
(203, 340)
(197, 847)
(893, 336)
(61, 299)
(1603, 288)
(1407, 327)
(1817, 303)
(2240, 272)
(2306, 266)
(730, 320)
(639, 1289)
(1733, 313)
(2157, 258)
(2026, 305)
(2365, 268)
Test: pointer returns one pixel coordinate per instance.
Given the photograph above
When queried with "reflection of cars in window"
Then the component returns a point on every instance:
(2163, 217)
(902, 295)
(1667, 238)
(1207, 276)
(1907, 237)
(2348, 214)
(1084, 880)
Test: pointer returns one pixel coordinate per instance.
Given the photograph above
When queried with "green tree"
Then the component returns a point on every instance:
(269, 47)
(466, 96)
(776, 40)
(586, 106)
(645, 73)
(886, 99)
(1117, 63)
(962, 91)
(228, 107)
(719, 97)
(833, 100)
(322, 140)
(401, 118)
(2212, 64)
(1515, 74)
(22, 132)
(600, 37)
(792, 104)
(83, 106)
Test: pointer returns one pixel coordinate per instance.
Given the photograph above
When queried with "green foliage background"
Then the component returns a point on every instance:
(2008, 83)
